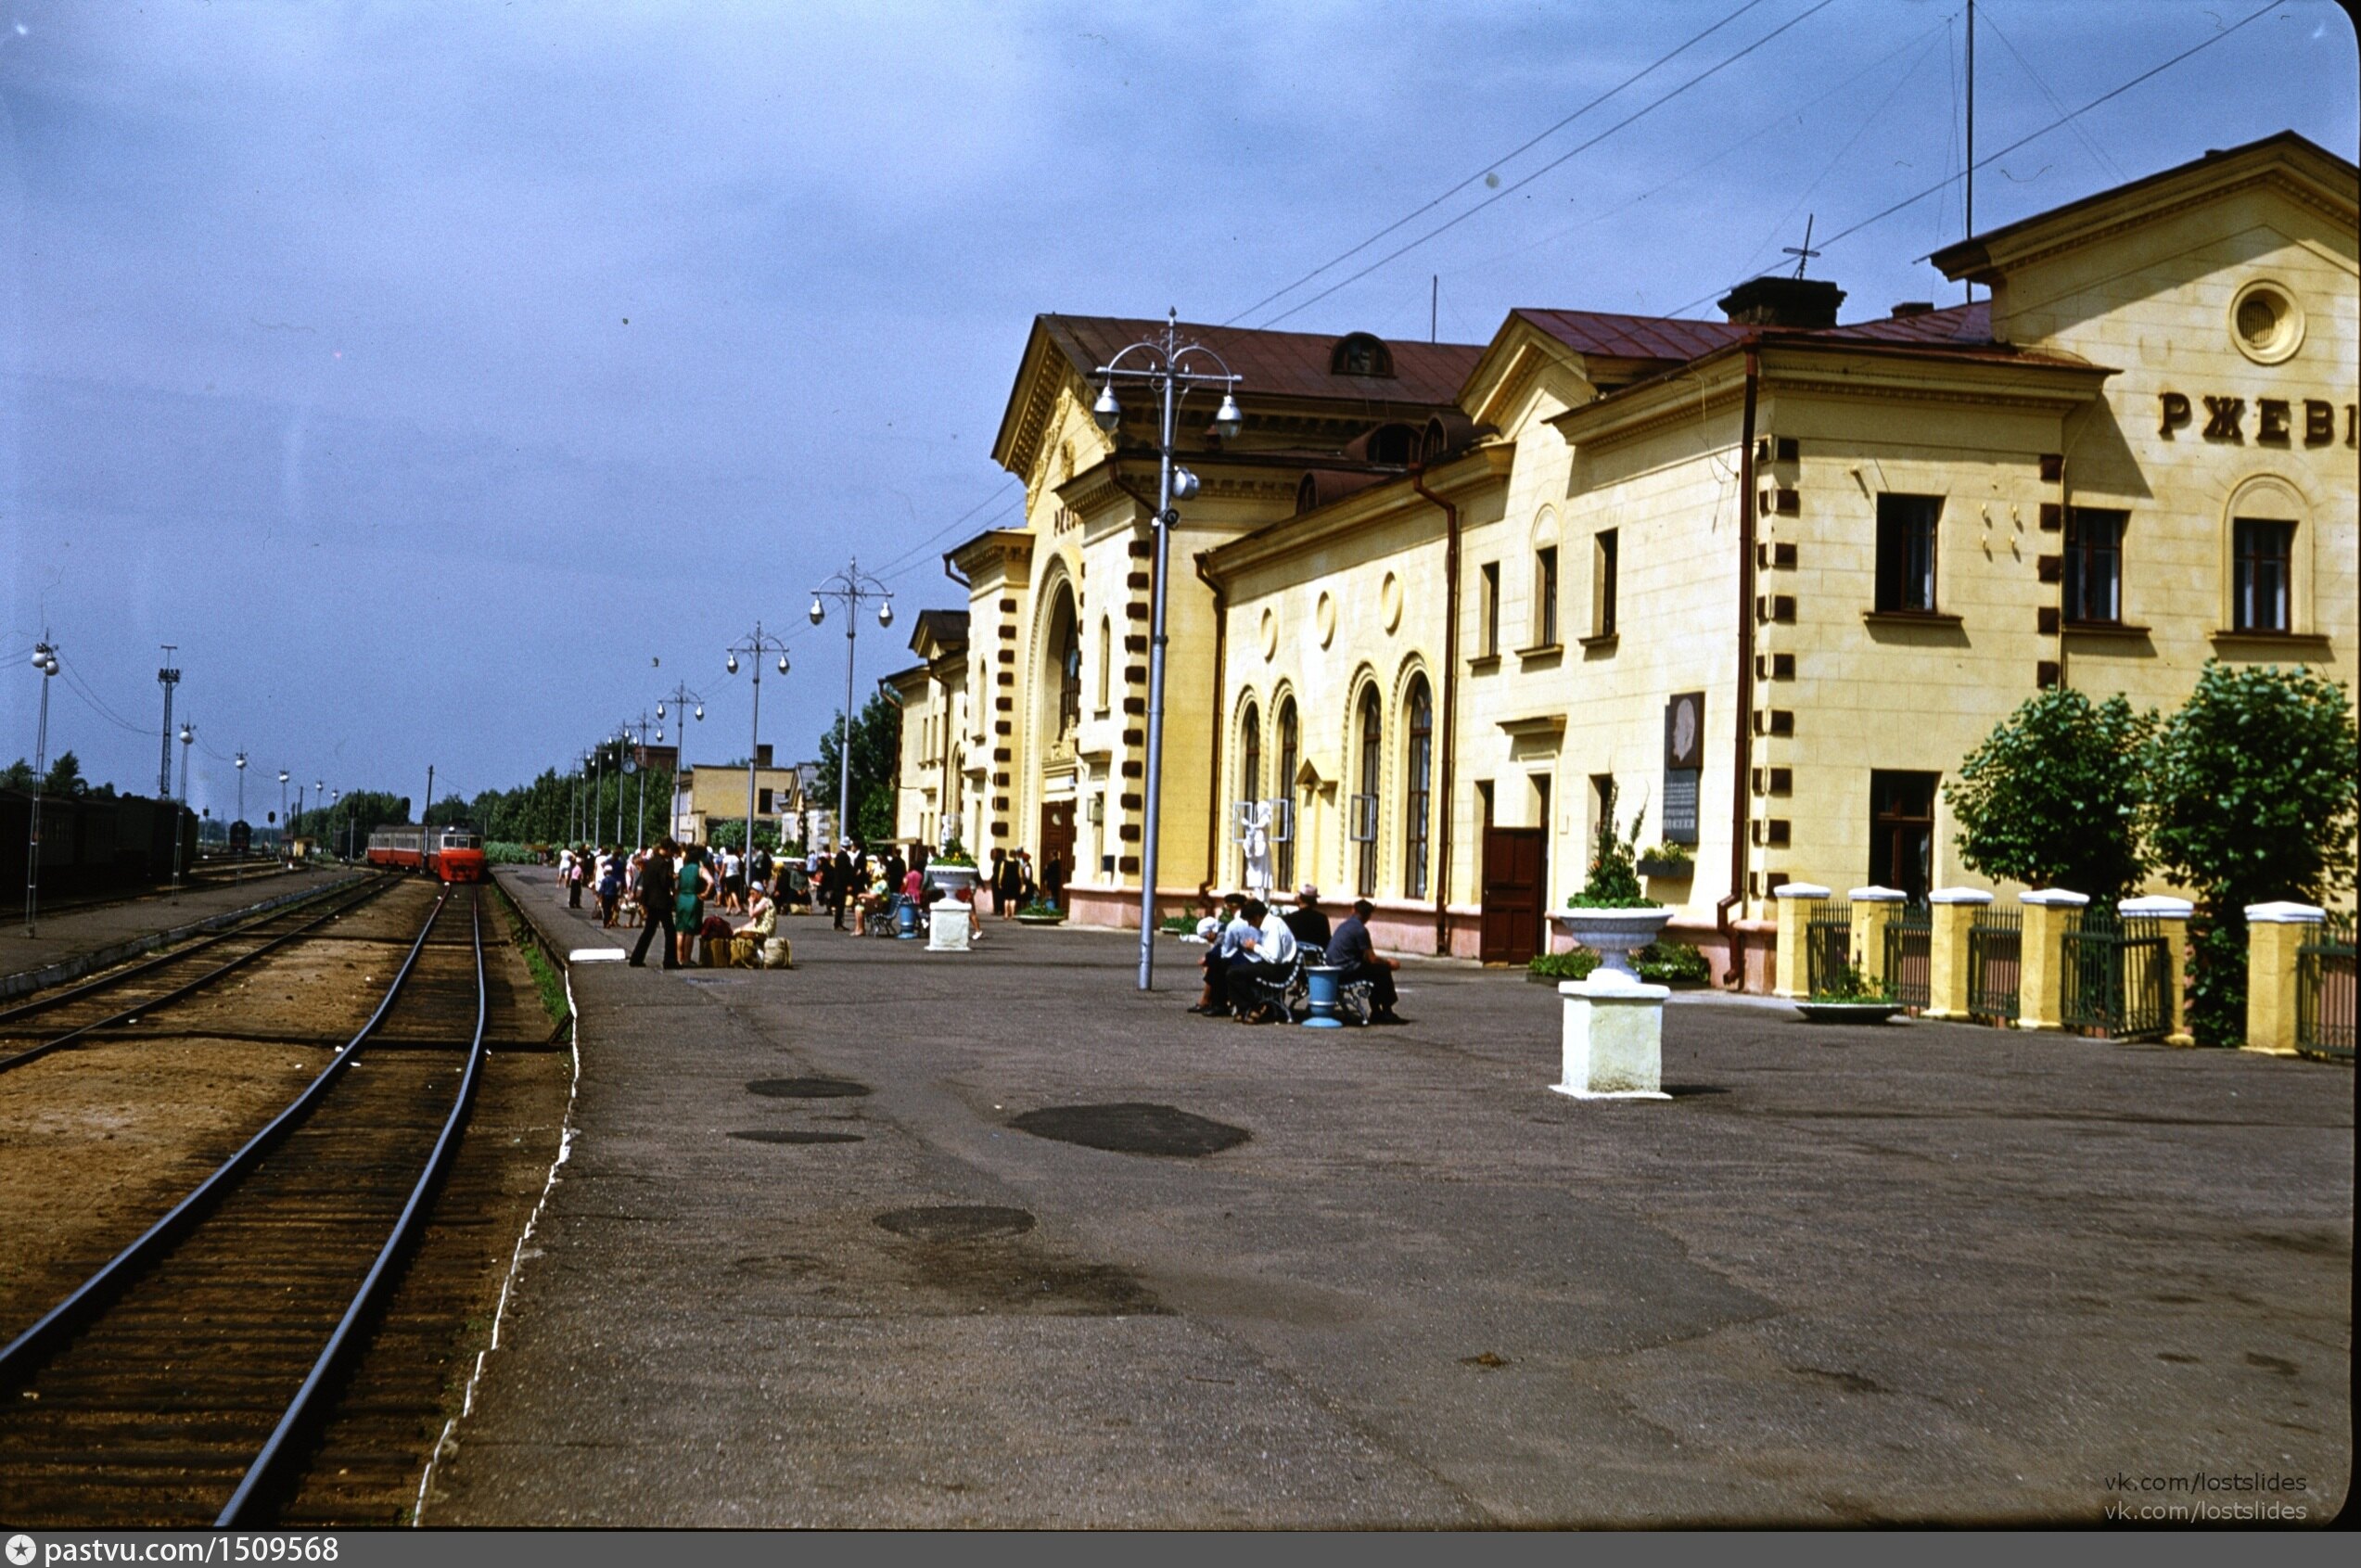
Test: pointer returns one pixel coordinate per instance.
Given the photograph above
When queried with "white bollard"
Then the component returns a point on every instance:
(946, 926)
(1614, 1037)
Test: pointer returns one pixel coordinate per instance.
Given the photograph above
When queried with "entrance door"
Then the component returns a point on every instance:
(1057, 841)
(1513, 892)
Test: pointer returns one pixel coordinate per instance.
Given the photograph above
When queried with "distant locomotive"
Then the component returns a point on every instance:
(452, 854)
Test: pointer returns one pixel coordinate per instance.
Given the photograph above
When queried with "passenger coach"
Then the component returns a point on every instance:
(453, 854)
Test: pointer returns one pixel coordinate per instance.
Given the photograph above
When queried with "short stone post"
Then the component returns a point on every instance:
(2273, 933)
(1793, 974)
(1951, 912)
(2041, 970)
(947, 926)
(1612, 1038)
(2171, 916)
(1872, 912)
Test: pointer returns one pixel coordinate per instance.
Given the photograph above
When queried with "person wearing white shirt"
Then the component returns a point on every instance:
(1267, 952)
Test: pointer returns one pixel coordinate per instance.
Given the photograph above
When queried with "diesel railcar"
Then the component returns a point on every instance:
(452, 854)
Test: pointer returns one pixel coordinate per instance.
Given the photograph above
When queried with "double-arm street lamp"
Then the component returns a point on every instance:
(1172, 367)
(755, 644)
(239, 874)
(45, 659)
(187, 739)
(685, 705)
(850, 587)
(283, 824)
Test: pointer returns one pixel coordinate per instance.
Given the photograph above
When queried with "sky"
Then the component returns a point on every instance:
(448, 381)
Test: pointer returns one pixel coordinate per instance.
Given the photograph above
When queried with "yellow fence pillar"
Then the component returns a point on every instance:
(2041, 970)
(1793, 974)
(2171, 916)
(1872, 912)
(1951, 910)
(2273, 933)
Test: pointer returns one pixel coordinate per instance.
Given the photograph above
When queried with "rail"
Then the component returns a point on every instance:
(2324, 989)
(2115, 977)
(1996, 959)
(181, 955)
(1910, 955)
(1828, 944)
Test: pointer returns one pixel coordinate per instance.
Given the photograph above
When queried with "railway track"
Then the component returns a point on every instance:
(63, 1017)
(185, 1382)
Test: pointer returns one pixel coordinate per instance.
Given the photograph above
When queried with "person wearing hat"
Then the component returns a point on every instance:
(1305, 920)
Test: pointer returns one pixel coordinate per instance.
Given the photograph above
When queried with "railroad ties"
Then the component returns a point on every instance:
(187, 1382)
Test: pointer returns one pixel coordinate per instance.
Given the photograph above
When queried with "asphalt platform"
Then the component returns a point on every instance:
(78, 939)
(826, 1252)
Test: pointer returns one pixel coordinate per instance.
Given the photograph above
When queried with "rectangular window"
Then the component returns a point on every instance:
(1901, 831)
(2093, 569)
(1491, 572)
(762, 803)
(1602, 585)
(1545, 597)
(1905, 552)
(2261, 552)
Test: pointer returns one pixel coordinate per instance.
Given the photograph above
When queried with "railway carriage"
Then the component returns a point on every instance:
(451, 854)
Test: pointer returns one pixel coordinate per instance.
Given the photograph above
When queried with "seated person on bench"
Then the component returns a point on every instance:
(1267, 956)
(1226, 939)
(1351, 950)
(1306, 921)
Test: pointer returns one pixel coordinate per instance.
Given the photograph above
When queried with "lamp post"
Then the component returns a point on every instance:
(1170, 365)
(239, 873)
(167, 678)
(45, 659)
(685, 705)
(755, 643)
(283, 825)
(639, 840)
(850, 587)
(188, 738)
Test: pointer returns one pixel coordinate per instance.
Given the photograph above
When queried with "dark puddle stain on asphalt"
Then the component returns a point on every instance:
(956, 1222)
(2272, 1364)
(1852, 1383)
(786, 1135)
(807, 1089)
(1132, 1127)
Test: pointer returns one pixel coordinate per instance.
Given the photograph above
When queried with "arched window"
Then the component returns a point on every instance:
(1106, 660)
(1416, 787)
(1069, 678)
(1283, 786)
(1361, 353)
(1364, 815)
(1249, 761)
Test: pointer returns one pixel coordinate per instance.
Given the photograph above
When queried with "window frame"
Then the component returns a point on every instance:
(1489, 610)
(1919, 549)
(1369, 717)
(1288, 733)
(2243, 583)
(1418, 784)
(1605, 562)
(1545, 596)
(2080, 552)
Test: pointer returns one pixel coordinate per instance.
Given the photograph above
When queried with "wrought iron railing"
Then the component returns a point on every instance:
(1995, 952)
(2324, 989)
(1910, 951)
(2115, 977)
(1828, 943)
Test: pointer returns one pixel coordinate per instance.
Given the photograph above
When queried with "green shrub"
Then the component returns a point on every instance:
(1613, 880)
(1851, 985)
(1659, 963)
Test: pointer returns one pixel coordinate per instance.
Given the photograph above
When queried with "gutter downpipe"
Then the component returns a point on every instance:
(955, 784)
(1450, 709)
(1220, 722)
(1743, 719)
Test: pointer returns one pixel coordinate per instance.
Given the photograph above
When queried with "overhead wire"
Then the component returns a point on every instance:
(2115, 92)
(1491, 168)
(2082, 134)
(1506, 191)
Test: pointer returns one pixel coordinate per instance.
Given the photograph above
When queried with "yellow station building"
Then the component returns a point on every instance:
(1772, 577)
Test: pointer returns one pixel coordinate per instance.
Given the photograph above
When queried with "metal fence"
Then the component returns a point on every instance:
(2115, 977)
(1828, 943)
(1995, 950)
(1910, 950)
(2324, 990)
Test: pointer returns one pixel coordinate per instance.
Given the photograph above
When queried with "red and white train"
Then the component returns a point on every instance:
(454, 854)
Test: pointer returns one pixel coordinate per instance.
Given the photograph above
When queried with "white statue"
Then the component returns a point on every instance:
(1259, 846)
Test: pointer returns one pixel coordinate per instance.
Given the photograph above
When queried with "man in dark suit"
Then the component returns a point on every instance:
(1306, 920)
(839, 885)
(656, 889)
(1351, 949)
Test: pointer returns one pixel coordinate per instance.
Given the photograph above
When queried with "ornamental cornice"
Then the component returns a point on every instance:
(2303, 193)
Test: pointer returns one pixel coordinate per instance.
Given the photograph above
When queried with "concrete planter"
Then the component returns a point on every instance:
(1055, 919)
(951, 878)
(1666, 871)
(1614, 935)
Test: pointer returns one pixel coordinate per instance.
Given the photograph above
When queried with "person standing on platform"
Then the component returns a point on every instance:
(1054, 880)
(992, 879)
(656, 905)
(840, 887)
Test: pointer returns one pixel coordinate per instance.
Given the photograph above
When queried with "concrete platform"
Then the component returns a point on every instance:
(1917, 1273)
(75, 941)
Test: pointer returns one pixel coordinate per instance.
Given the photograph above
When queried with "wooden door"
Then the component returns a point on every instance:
(1514, 880)
(1057, 840)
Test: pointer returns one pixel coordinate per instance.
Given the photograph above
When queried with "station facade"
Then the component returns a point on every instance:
(707, 793)
(1762, 581)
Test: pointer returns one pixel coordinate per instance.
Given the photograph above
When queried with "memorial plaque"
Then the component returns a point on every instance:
(1684, 761)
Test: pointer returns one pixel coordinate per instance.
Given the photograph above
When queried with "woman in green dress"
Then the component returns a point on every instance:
(688, 904)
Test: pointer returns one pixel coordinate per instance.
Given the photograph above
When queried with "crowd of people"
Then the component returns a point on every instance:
(1252, 949)
(692, 891)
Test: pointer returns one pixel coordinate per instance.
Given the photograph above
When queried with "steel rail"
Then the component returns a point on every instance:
(21, 1356)
(270, 1467)
(35, 1052)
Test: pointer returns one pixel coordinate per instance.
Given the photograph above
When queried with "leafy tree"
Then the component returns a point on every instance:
(18, 775)
(876, 758)
(351, 820)
(65, 776)
(2252, 797)
(2052, 797)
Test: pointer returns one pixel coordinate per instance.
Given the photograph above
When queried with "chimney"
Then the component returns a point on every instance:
(762, 755)
(1783, 302)
(1913, 308)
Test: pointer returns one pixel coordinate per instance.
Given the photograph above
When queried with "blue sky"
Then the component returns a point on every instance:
(426, 371)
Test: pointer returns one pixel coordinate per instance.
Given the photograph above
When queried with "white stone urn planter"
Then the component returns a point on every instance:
(951, 878)
(1614, 935)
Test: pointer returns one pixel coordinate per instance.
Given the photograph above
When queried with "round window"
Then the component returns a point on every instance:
(2265, 322)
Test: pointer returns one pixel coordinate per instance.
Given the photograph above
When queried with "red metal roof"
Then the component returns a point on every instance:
(1963, 325)
(1617, 336)
(1281, 363)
